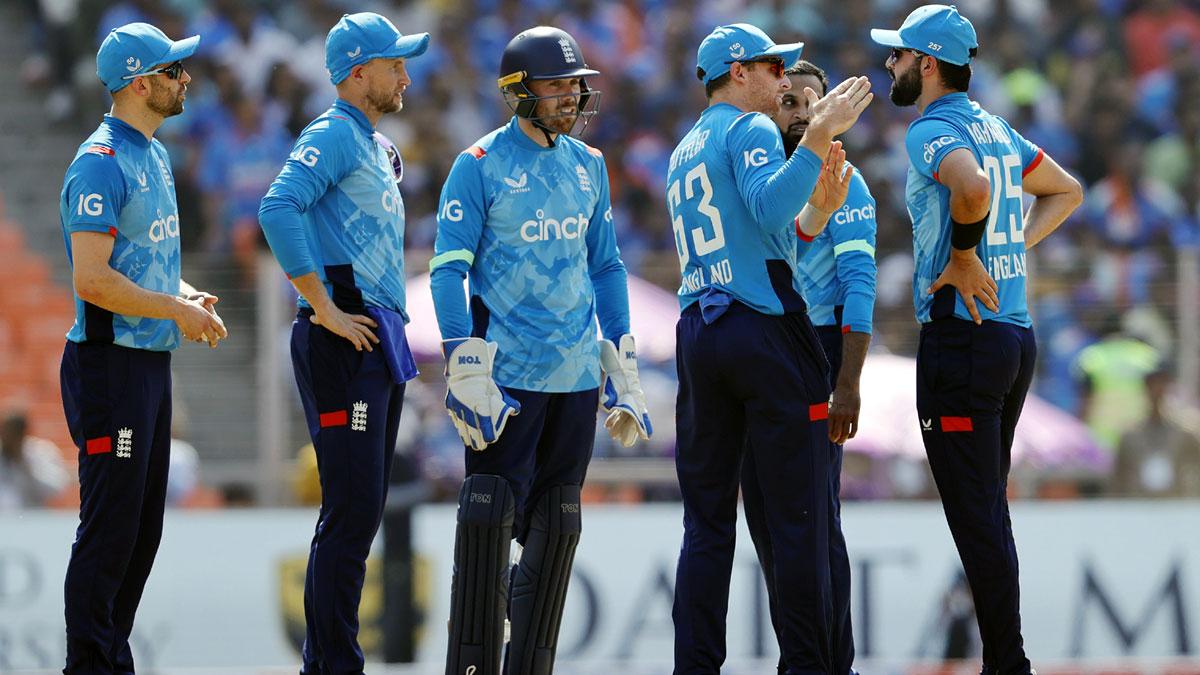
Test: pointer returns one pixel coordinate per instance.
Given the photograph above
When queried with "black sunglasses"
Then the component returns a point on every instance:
(897, 52)
(172, 71)
(775, 63)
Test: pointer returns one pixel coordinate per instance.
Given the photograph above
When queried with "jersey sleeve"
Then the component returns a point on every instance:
(320, 159)
(854, 257)
(462, 210)
(774, 190)
(95, 192)
(607, 271)
(1031, 155)
(928, 142)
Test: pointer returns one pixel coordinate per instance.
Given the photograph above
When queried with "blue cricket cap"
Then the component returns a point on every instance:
(937, 30)
(135, 49)
(358, 38)
(740, 42)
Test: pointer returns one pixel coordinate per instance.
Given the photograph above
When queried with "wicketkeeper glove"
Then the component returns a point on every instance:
(478, 408)
(621, 393)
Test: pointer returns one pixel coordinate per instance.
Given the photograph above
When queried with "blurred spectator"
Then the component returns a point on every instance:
(1161, 456)
(1154, 27)
(1112, 376)
(31, 468)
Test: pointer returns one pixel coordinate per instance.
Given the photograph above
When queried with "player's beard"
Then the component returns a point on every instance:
(906, 86)
(163, 101)
(556, 119)
(384, 100)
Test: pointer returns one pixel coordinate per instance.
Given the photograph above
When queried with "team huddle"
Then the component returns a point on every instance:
(775, 232)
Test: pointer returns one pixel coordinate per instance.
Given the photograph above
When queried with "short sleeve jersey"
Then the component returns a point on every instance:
(949, 123)
(120, 184)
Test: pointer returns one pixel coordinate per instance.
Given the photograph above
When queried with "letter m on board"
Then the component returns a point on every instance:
(1169, 599)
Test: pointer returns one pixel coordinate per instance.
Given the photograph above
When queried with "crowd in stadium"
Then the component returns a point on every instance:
(1103, 86)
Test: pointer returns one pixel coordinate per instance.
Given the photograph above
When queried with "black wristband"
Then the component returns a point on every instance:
(966, 236)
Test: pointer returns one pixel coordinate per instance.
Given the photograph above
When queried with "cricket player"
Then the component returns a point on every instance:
(967, 172)
(525, 215)
(334, 219)
(121, 229)
(837, 270)
(751, 368)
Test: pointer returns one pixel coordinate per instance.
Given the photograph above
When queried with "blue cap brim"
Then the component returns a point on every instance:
(790, 53)
(181, 49)
(888, 38)
(407, 47)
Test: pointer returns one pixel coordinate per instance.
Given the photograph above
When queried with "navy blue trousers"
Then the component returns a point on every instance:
(549, 443)
(118, 407)
(839, 559)
(352, 406)
(971, 385)
(754, 384)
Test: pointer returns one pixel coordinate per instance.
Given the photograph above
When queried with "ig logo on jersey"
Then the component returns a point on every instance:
(92, 205)
(306, 155)
(452, 211)
(755, 157)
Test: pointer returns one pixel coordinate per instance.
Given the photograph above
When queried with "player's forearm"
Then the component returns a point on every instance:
(449, 301)
(811, 221)
(283, 228)
(310, 286)
(611, 286)
(817, 140)
(109, 289)
(854, 354)
(1046, 214)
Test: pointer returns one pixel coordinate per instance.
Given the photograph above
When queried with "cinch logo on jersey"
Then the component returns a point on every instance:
(306, 155)
(391, 202)
(933, 146)
(755, 157)
(847, 215)
(162, 228)
(549, 229)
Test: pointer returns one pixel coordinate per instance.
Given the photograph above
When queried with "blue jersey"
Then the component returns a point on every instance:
(838, 266)
(951, 122)
(532, 228)
(335, 209)
(120, 183)
(733, 198)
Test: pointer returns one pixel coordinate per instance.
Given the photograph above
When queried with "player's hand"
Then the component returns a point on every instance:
(478, 408)
(834, 182)
(209, 301)
(354, 327)
(965, 272)
(838, 110)
(844, 405)
(621, 393)
(198, 323)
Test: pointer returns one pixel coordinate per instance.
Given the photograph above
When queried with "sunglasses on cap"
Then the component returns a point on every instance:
(172, 71)
(775, 63)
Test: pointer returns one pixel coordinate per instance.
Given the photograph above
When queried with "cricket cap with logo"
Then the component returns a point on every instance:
(358, 38)
(135, 49)
(740, 42)
(937, 30)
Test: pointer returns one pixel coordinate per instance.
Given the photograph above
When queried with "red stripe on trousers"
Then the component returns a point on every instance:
(98, 446)
(336, 418)
(818, 411)
(957, 424)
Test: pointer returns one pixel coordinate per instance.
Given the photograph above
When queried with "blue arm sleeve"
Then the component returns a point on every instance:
(319, 160)
(773, 190)
(462, 210)
(853, 232)
(609, 279)
(928, 141)
(94, 191)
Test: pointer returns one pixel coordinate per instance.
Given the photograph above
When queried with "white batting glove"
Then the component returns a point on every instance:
(621, 393)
